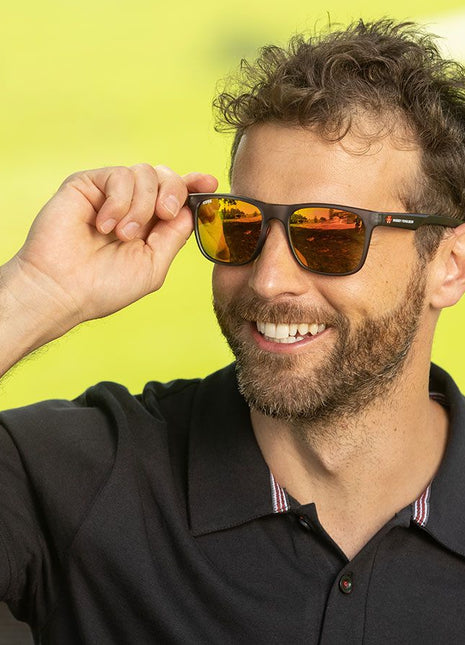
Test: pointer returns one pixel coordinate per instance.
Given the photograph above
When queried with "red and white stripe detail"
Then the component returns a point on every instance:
(278, 496)
(439, 397)
(421, 507)
(420, 511)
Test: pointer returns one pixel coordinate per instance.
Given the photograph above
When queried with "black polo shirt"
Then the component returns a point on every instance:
(154, 519)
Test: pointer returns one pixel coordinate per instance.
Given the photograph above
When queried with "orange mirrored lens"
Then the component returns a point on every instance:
(229, 229)
(327, 240)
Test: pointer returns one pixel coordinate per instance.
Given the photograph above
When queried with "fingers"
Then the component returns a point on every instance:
(167, 238)
(142, 205)
(127, 199)
(172, 234)
(119, 192)
(172, 193)
(197, 182)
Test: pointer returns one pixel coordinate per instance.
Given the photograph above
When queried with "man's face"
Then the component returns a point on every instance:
(365, 323)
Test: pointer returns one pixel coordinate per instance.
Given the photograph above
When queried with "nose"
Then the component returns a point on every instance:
(275, 272)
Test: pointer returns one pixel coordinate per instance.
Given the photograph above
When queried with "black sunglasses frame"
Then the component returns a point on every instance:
(283, 212)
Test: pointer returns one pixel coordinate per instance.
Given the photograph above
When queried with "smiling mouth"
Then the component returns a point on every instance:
(288, 332)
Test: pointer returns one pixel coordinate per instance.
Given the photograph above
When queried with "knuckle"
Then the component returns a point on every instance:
(70, 178)
(149, 184)
(78, 180)
(122, 171)
(74, 177)
(146, 167)
(171, 184)
(168, 177)
(118, 203)
(162, 169)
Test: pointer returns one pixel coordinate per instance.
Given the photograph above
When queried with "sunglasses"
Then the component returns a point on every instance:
(324, 238)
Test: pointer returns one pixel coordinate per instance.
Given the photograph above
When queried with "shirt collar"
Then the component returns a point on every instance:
(444, 514)
(230, 483)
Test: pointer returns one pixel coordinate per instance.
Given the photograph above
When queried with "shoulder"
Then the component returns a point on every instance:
(85, 433)
(67, 450)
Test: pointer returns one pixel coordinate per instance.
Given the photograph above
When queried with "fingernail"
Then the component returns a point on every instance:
(108, 225)
(130, 230)
(171, 204)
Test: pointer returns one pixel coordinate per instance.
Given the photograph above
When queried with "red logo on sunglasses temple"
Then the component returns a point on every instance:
(388, 219)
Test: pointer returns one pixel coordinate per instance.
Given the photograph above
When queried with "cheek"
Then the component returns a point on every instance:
(228, 281)
(380, 284)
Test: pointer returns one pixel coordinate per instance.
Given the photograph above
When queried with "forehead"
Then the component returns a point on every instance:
(283, 164)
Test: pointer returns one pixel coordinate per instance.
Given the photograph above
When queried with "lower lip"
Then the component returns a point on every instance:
(283, 348)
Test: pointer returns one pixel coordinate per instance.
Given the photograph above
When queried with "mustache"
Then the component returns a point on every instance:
(253, 308)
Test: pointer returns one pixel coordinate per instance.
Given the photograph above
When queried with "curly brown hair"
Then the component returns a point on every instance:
(393, 71)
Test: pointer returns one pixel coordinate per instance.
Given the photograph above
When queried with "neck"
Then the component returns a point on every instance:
(359, 470)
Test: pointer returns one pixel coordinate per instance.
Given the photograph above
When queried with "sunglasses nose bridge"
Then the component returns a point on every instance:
(274, 212)
(279, 212)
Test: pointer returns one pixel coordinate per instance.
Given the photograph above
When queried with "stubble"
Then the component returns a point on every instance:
(362, 365)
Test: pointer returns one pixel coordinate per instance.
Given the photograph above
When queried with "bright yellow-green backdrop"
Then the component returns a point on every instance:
(99, 82)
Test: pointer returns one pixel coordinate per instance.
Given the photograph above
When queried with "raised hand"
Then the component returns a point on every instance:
(104, 240)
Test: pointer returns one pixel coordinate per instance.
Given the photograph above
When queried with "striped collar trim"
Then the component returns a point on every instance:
(279, 497)
(421, 508)
(420, 514)
(440, 397)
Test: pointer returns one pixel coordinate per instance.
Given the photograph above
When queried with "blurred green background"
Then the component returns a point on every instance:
(98, 83)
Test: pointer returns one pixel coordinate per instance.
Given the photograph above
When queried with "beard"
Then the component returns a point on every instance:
(362, 365)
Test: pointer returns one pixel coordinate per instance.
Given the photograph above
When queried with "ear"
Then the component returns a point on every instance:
(448, 270)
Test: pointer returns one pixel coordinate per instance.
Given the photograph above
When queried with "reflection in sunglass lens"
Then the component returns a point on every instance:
(229, 229)
(327, 240)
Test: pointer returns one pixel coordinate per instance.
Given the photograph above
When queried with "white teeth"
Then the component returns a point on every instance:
(287, 341)
(282, 331)
(270, 330)
(287, 333)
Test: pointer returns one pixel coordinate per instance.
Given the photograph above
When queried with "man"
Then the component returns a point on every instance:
(320, 497)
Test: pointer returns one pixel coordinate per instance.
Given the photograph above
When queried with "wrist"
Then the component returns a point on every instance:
(32, 313)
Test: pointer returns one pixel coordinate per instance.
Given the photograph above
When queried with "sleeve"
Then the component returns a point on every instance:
(54, 458)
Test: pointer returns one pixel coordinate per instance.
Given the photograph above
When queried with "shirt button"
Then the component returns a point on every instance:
(304, 522)
(345, 583)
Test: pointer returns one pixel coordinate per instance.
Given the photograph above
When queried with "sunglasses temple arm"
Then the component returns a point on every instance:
(414, 221)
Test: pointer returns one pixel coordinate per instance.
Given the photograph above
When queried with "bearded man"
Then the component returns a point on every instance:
(313, 492)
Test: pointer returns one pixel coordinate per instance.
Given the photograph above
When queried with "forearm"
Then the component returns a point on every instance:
(30, 316)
